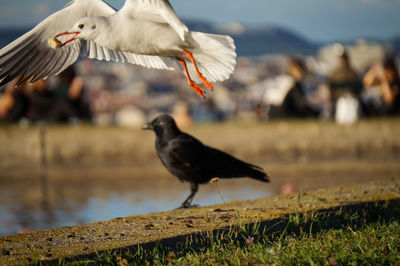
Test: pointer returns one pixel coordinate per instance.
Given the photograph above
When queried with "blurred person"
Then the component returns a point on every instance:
(45, 105)
(41, 100)
(208, 112)
(56, 105)
(76, 98)
(260, 111)
(344, 80)
(384, 77)
(14, 103)
(6, 103)
(295, 103)
(69, 94)
(181, 114)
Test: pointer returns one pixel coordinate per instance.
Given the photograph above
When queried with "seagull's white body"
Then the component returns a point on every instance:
(143, 32)
(161, 40)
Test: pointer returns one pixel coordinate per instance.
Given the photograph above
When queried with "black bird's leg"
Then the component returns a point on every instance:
(194, 187)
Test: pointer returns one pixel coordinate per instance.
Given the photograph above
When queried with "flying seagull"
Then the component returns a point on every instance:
(142, 32)
(190, 160)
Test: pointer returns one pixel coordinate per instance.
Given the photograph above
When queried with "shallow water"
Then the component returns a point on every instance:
(25, 204)
(69, 197)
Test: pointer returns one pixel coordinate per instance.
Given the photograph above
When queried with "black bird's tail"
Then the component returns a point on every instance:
(226, 166)
(257, 172)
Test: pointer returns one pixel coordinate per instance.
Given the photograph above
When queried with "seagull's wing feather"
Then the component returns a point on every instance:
(152, 61)
(159, 11)
(94, 51)
(30, 56)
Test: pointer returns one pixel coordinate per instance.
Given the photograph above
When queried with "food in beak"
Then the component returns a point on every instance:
(54, 43)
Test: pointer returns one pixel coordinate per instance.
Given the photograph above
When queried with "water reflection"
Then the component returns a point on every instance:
(42, 202)
(32, 200)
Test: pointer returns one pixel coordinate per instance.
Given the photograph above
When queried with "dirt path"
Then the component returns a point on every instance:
(64, 242)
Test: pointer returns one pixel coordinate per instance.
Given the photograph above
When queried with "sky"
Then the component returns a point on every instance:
(317, 20)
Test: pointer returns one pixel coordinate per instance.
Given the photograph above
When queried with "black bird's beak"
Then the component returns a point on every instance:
(148, 126)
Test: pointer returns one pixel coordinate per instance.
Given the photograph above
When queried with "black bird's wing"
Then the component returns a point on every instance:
(190, 160)
(183, 157)
(224, 165)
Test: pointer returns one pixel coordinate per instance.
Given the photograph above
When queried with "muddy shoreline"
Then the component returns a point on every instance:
(83, 240)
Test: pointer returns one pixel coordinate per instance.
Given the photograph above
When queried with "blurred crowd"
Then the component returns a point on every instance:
(62, 102)
(353, 83)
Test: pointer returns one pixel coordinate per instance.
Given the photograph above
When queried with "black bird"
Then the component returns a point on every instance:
(190, 160)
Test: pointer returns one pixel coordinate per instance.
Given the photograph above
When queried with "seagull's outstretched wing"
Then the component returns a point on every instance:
(159, 11)
(30, 55)
(31, 58)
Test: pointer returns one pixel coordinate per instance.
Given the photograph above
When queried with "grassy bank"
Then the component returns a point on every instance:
(367, 233)
(346, 224)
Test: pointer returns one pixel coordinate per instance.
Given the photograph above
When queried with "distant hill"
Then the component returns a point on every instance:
(272, 40)
(260, 40)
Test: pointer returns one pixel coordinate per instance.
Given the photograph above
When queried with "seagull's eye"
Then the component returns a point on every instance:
(93, 27)
(81, 26)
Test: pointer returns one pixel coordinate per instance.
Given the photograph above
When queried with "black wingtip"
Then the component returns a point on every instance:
(260, 176)
(265, 178)
(259, 173)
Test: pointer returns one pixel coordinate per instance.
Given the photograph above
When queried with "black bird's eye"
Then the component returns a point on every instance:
(93, 27)
(81, 26)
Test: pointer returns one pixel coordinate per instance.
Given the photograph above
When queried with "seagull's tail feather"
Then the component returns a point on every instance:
(214, 54)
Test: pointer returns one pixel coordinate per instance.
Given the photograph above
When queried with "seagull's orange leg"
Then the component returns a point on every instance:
(201, 77)
(197, 88)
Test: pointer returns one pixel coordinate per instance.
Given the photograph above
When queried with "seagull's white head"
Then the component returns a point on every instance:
(89, 28)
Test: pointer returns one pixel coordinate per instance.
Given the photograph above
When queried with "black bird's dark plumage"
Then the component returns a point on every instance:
(190, 160)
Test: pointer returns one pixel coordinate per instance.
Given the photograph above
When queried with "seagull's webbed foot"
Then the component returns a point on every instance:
(197, 88)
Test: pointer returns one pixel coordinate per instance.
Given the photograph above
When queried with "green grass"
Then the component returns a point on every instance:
(360, 234)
